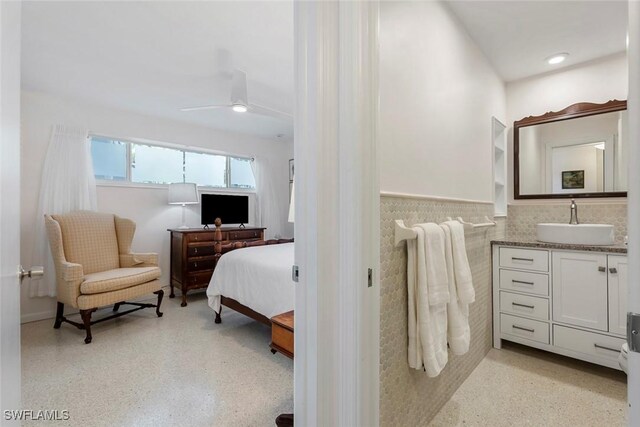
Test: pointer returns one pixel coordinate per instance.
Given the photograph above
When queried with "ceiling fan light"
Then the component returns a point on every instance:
(239, 108)
(557, 58)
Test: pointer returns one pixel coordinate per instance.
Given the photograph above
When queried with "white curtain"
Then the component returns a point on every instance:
(68, 184)
(268, 210)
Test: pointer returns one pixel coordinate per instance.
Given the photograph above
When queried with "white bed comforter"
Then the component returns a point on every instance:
(258, 277)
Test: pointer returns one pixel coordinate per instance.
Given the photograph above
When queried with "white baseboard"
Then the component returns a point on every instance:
(34, 317)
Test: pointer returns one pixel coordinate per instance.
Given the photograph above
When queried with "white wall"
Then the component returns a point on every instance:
(597, 81)
(437, 96)
(146, 206)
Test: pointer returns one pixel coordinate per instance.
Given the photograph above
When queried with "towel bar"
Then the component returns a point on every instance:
(402, 232)
(488, 223)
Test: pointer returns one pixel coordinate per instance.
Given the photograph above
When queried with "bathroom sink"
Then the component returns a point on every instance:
(576, 234)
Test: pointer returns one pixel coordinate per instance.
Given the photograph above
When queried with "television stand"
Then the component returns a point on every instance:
(241, 226)
(206, 227)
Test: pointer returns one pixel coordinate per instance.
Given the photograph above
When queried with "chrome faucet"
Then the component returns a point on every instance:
(574, 213)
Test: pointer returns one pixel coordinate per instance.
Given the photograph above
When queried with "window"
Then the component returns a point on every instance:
(124, 161)
(241, 173)
(156, 165)
(109, 159)
(206, 169)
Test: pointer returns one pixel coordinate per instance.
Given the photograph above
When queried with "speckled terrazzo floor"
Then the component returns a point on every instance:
(520, 386)
(179, 370)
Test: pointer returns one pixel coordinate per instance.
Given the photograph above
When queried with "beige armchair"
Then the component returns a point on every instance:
(95, 267)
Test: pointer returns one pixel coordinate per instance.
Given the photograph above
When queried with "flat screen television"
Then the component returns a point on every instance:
(230, 209)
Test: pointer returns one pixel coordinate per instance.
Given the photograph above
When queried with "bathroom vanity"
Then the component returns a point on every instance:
(566, 299)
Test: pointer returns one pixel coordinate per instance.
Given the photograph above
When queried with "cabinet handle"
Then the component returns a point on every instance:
(613, 270)
(602, 269)
(522, 283)
(195, 264)
(606, 348)
(195, 250)
(523, 305)
(521, 259)
(523, 329)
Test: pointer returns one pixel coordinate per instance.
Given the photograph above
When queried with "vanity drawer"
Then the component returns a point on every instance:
(597, 345)
(523, 281)
(524, 305)
(533, 330)
(524, 259)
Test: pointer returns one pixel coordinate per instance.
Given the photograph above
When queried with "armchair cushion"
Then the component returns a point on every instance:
(118, 278)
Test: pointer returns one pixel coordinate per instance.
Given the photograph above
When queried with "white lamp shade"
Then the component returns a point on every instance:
(183, 193)
(292, 204)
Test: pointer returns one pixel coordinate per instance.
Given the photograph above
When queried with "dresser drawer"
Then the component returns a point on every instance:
(201, 264)
(199, 279)
(196, 249)
(207, 236)
(533, 330)
(523, 281)
(244, 234)
(524, 259)
(587, 342)
(524, 305)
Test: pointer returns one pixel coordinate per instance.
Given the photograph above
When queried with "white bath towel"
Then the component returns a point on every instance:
(437, 280)
(427, 323)
(458, 331)
(461, 269)
(414, 349)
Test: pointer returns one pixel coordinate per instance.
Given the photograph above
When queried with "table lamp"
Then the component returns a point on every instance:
(183, 193)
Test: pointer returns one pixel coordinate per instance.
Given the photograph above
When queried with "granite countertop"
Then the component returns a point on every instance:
(615, 249)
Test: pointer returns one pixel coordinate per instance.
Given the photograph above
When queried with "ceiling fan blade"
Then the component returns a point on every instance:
(204, 107)
(266, 111)
(239, 88)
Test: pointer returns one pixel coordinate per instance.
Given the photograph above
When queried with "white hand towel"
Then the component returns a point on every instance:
(458, 331)
(437, 280)
(462, 271)
(414, 348)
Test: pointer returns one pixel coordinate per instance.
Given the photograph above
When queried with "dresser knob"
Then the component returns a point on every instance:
(196, 250)
(195, 264)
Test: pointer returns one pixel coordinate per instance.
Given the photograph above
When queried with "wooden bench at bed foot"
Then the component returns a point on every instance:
(282, 334)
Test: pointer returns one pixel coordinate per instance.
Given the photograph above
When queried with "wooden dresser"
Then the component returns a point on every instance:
(196, 251)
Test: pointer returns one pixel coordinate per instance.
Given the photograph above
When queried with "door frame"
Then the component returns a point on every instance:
(633, 224)
(337, 202)
(10, 34)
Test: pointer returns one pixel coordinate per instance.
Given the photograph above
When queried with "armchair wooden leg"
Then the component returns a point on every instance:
(160, 294)
(86, 319)
(117, 305)
(218, 319)
(59, 316)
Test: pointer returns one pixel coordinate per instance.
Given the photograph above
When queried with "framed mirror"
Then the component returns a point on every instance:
(580, 151)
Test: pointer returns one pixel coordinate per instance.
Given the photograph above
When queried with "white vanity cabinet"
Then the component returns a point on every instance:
(618, 280)
(568, 302)
(579, 281)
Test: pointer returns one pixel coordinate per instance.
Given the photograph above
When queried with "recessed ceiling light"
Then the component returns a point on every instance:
(557, 58)
(239, 108)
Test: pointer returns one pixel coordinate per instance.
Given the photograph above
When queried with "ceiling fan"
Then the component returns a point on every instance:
(240, 102)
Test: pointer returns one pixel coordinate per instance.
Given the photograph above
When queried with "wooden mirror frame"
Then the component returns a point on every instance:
(581, 109)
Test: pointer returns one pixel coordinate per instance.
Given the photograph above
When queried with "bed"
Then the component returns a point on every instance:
(255, 281)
